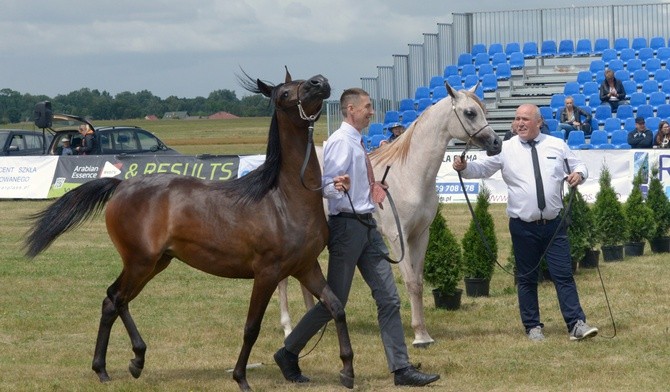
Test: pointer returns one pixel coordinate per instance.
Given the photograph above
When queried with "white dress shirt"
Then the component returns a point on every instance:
(516, 165)
(344, 154)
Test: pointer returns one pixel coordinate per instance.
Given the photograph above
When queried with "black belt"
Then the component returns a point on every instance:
(350, 215)
(539, 222)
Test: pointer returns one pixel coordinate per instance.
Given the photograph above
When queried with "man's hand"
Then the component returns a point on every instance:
(342, 183)
(574, 179)
(459, 164)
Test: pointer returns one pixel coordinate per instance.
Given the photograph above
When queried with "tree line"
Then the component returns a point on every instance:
(101, 105)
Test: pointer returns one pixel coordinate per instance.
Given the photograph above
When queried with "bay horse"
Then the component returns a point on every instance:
(264, 226)
(415, 158)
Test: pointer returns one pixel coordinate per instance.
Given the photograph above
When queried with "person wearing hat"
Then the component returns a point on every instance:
(397, 129)
(65, 148)
(641, 137)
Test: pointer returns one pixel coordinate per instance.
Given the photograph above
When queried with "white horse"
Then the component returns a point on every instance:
(415, 158)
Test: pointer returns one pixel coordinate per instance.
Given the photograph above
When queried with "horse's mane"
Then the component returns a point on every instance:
(255, 185)
(399, 149)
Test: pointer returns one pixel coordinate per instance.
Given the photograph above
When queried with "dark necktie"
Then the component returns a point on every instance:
(539, 188)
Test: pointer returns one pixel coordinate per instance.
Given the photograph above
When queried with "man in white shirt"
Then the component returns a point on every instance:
(354, 242)
(534, 205)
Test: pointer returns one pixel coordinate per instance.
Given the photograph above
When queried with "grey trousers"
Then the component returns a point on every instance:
(349, 248)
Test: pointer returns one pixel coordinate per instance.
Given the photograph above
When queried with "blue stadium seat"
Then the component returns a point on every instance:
(645, 111)
(566, 48)
(624, 111)
(645, 54)
(516, 60)
(375, 129)
(583, 47)
(552, 124)
(408, 116)
(611, 124)
(583, 77)
(638, 43)
(512, 47)
(594, 101)
(436, 81)
(620, 140)
(494, 48)
(599, 140)
(615, 65)
(590, 88)
(620, 44)
(557, 100)
(406, 104)
(470, 81)
(391, 116)
(653, 65)
(663, 111)
(478, 48)
(656, 98)
(600, 77)
(455, 81)
(530, 50)
(602, 113)
(622, 74)
(663, 54)
(421, 92)
(558, 133)
(649, 86)
(451, 70)
(571, 88)
(548, 48)
(439, 93)
(627, 54)
(600, 45)
(596, 65)
(485, 69)
(630, 86)
(503, 71)
(609, 55)
(576, 141)
(468, 69)
(498, 58)
(480, 59)
(640, 76)
(629, 124)
(463, 59)
(580, 100)
(637, 99)
(423, 104)
(656, 42)
(376, 140)
(489, 83)
(546, 112)
(652, 123)
(661, 75)
(665, 87)
(633, 65)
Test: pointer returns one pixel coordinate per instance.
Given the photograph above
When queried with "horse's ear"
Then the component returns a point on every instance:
(264, 88)
(473, 88)
(289, 79)
(450, 90)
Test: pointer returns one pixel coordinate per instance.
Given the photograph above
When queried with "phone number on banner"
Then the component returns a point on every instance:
(450, 188)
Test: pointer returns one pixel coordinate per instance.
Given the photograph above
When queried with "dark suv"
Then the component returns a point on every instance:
(113, 140)
(17, 142)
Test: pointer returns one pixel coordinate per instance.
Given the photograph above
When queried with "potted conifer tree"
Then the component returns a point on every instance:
(480, 254)
(443, 267)
(581, 232)
(639, 219)
(658, 201)
(610, 221)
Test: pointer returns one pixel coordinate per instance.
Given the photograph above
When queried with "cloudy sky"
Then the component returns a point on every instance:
(190, 48)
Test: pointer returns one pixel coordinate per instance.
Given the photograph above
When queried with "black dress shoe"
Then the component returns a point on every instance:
(288, 364)
(409, 376)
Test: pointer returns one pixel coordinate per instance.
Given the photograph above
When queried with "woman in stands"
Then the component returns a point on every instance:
(612, 91)
(571, 118)
(662, 139)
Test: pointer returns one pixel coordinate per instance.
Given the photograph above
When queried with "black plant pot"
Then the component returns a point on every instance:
(660, 244)
(590, 259)
(634, 248)
(477, 287)
(448, 301)
(612, 252)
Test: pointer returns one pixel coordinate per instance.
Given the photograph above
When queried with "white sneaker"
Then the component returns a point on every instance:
(535, 334)
(581, 330)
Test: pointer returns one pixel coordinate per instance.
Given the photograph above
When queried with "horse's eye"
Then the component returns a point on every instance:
(470, 114)
(284, 94)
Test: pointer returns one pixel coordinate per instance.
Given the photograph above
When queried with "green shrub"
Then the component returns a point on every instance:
(610, 220)
(581, 230)
(660, 205)
(478, 261)
(443, 267)
(639, 217)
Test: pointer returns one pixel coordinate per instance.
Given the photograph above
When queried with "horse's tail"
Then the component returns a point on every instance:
(68, 212)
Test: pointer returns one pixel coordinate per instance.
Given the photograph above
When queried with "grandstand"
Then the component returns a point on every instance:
(534, 56)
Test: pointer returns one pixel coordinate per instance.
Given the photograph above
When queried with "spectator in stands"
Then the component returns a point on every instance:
(87, 140)
(534, 166)
(641, 137)
(397, 129)
(354, 242)
(663, 135)
(571, 118)
(64, 148)
(612, 91)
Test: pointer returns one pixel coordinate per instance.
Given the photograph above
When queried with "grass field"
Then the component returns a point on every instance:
(193, 323)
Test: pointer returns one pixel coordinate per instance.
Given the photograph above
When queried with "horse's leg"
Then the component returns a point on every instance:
(119, 294)
(260, 297)
(411, 269)
(315, 283)
(284, 315)
(307, 297)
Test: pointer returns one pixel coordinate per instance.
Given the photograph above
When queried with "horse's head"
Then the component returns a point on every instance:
(305, 96)
(471, 125)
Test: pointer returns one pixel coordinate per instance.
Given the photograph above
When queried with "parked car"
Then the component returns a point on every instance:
(18, 142)
(112, 140)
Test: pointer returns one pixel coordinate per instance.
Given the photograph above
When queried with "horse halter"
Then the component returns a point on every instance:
(470, 136)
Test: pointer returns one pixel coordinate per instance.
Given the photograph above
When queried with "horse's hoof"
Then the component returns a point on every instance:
(104, 377)
(346, 381)
(134, 370)
(422, 343)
